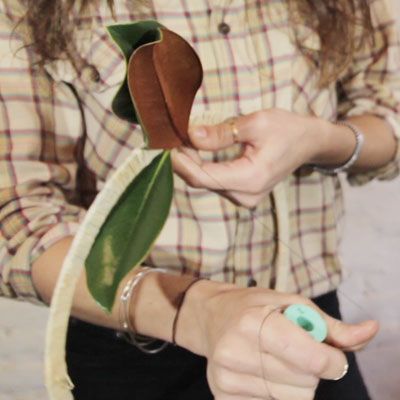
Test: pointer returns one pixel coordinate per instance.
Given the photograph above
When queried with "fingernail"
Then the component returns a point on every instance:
(200, 133)
(344, 373)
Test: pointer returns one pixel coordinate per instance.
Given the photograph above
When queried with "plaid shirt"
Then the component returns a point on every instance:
(254, 66)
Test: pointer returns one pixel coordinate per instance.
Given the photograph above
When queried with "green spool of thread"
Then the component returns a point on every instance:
(308, 319)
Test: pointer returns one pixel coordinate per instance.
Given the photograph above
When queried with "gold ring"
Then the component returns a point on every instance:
(234, 129)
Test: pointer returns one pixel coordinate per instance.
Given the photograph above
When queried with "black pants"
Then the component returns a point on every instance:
(105, 367)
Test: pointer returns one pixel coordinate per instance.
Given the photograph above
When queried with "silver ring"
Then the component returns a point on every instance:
(344, 373)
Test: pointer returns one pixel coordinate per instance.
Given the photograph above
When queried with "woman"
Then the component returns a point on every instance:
(285, 71)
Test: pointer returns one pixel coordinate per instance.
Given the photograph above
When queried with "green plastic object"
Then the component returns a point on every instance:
(308, 319)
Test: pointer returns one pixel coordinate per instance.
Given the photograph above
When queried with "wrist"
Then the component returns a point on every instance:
(196, 313)
(315, 139)
(334, 145)
(321, 137)
(155, 304)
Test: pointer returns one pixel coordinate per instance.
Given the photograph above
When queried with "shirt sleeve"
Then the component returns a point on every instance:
(372, 83)
(37, 165)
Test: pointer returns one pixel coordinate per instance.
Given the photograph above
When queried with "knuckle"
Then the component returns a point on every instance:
(254, 181)
(218, 378)
(222, 132)
(269, 168)
(245, 186)
(250, 202)
(308, 302)
(261, 119)
(187, 177)
(224, 382)
(194, 181)
(297, 299)
(245, 323)
(284, 346)
(248, 185)
(314, 381)
(196, 184)
(211, 380)
(224, 356)
(257, 181)
(318, 364)
(336, 326)
(310, 383)
(306, 395)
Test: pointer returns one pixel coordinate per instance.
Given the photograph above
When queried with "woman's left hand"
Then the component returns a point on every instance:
(275, 143)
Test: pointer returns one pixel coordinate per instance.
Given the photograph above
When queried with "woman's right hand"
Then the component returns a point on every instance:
(254, 352)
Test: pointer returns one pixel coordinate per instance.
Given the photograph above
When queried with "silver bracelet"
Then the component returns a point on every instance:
(128, 332)
(354, 157)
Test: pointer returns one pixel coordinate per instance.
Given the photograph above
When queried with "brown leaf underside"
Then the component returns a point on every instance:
(163, 79)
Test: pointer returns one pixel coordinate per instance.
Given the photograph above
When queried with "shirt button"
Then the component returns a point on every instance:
(90, 72)
(224, 28)
(251, 282)
(95, 75)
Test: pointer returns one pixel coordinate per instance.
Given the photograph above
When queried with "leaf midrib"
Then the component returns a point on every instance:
(150, 188)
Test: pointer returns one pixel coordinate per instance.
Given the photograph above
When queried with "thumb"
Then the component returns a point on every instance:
(219, 136)
(213, 137)
(350, 336)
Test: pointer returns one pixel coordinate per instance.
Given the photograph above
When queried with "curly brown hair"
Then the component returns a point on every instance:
(341, 25)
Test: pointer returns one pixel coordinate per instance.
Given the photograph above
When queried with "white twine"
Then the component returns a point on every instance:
(58, 383)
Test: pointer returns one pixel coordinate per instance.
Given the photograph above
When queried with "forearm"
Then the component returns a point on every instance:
(223, 323)
(154, 302)
(337, 143)
(45, 272)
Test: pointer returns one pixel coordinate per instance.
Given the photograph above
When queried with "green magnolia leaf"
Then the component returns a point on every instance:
(129, 37)
(130, 229)
(163, 75)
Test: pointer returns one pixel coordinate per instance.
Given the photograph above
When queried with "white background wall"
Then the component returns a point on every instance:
(371, 253)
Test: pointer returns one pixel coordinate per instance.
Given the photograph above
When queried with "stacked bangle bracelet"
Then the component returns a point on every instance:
(143, 343)
(354, 157)
(128, 332)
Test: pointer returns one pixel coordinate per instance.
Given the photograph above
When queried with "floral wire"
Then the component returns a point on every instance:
(260, 351)
(300, 257)
(294, 252)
